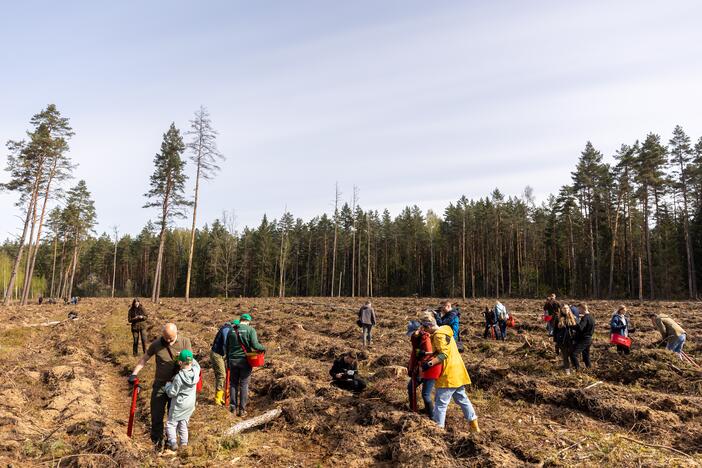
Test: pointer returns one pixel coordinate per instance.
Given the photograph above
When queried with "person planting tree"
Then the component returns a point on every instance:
(454, 375)
(217, 357)
(344, 373)
(242, 339)
(621, 325)
(673, 334)
(422, 352)
(165, 349)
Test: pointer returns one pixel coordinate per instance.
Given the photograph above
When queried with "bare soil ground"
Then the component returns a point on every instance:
(64, 400)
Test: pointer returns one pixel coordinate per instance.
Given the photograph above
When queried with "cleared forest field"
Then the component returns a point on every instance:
(65, 398)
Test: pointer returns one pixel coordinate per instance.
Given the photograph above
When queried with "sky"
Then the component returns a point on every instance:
(413, 102)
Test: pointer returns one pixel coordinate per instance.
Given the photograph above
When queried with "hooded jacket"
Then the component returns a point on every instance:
(182, 391)
(668, 327)
(421, 350)
(250, 341)
(454, 374)
(219, 345)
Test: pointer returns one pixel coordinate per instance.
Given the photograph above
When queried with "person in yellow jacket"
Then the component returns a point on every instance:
(454, 376)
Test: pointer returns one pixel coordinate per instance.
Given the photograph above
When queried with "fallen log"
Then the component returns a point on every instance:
(253, 422)
(45, 324)
(593, 385)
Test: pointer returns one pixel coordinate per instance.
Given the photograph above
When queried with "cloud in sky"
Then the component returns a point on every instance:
(414, 102)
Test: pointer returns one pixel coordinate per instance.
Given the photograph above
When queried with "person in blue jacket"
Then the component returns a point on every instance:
(620, 325)
(446, 314)
(217, 354)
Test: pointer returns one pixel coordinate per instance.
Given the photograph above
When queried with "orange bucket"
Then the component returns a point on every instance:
(255, 359)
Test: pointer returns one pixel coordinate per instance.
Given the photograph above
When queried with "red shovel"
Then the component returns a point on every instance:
(132, 410)
(226, 388)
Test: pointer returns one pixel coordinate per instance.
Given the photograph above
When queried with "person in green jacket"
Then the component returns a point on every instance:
(242, 339)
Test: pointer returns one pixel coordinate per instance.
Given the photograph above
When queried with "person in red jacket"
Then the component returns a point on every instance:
(421, 352)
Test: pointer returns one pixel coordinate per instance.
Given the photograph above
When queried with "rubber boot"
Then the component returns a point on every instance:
(474, 426)
(219, 398)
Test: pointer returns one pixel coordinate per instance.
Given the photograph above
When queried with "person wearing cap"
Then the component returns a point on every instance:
(454, 375)
(421, 353)
(242, 339)
(165, 349)
(182, 391)
(217, 353)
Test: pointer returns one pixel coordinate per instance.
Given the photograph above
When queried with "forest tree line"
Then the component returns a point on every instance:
(631, 228)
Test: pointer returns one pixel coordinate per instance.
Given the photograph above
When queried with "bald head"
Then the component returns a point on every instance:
(170, 332)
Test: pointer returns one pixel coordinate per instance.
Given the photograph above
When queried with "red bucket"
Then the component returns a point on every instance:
(432, 373)
(620, 340)
(548, 318)
(255, 359)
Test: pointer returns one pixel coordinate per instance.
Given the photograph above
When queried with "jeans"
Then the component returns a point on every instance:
(217, 361)
(443, 398)
(135, 341)
(549, 327)
(676, 345)
(366, 334)
(159, 402)
(623, 349)
(427, 387)
(583, 348)
(491, 330)
(566, 354)
(356, 385)
(502, 324)
(239, 374)
(182, 427)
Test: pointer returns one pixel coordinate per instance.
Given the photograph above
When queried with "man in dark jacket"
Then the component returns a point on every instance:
(165, 348)
(344, 373)
(583, 340)
(137, 317)
(366, 319)
(242, 339)
(217, 353)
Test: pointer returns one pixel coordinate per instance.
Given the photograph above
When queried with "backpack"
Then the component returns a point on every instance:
(501, 310)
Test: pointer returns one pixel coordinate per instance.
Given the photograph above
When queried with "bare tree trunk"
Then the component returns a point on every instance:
(192, 235)
(73, 270)
(18, 258)
(614, 246)
(368, 259)
(336, 233)
(114, 264)
(156, 293)
(53, 267)
(463, 253)
(30, 253)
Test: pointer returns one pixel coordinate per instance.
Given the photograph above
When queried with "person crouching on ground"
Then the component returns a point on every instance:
(565, 332)
(366, 319)
(454, 374)
(673, 334)
(182, 391)
(242, 339)
(620, 325)
(583, 342)
(344, 373)
(421, 353)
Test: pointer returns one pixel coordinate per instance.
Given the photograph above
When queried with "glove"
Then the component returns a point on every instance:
(426, 366)
(131, 379)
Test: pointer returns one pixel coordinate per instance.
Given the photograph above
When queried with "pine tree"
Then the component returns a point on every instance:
(167, 185)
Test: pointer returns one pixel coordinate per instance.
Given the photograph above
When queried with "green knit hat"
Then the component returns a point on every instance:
(246, 317)
(186, 356)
